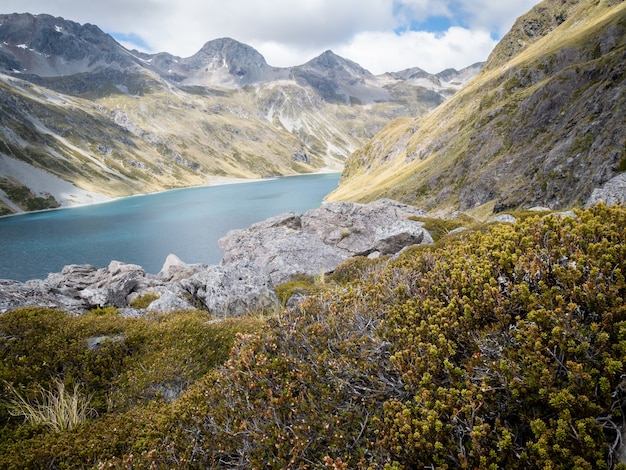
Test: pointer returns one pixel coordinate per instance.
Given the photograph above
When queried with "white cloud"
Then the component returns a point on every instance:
(388, 52)
(421, 10)
(291, 32)
(496, 15)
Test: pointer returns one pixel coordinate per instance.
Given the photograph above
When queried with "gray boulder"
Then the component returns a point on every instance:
(279, 247)
(320, 239)
(231, 289)
(95, 287)
(170, 301)
(77, 288)
(110, 286)
(502, 219)
(613, 192)
(392, 238)
(352, 227)
(300, 253)
(250, 243)
(15, 294)
(72, 279)
(174, 269)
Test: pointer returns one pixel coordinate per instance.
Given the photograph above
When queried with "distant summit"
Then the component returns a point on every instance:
(221, 62)
(449, 79)
(46, 46)
(340, 80)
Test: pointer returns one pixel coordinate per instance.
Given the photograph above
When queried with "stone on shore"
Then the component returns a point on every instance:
(232, 289)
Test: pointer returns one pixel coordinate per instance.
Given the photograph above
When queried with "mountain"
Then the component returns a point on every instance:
(221, 62)
(449, 80)
(84, 119)
(45, 46)
(541, 124)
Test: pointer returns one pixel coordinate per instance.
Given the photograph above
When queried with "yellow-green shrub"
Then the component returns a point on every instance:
(501, 349)
(145, 300)
(512, 347)
(301, 284)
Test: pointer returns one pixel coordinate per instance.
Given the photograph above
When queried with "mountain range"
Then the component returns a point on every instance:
(83, 119)
(542, 124)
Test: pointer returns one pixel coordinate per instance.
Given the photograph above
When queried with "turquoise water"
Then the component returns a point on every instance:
(145, 229)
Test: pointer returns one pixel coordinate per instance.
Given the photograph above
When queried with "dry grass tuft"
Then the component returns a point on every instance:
(56, 408)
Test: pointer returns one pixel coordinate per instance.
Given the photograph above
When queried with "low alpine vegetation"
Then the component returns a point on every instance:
(502, 347)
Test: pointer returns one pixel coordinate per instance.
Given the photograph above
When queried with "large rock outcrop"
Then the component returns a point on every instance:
(320, 239)
(79, 288)
(256, 259)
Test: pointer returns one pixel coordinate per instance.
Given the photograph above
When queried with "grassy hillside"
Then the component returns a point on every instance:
(540, 125)
(502, 346)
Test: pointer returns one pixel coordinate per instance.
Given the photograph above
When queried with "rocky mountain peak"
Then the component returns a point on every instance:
(228, 62)
(541, 20)
(48, 46)
(230, 52)
(337, 79)
(451, 79)
(329, 61)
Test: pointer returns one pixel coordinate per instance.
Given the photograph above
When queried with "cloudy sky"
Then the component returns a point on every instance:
(381, 35)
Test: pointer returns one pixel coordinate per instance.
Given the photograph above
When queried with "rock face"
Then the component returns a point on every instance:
(256, 259)
(232, 288)
(611, 193)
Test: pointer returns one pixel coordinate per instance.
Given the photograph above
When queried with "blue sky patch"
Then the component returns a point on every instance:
(131, 39)
(435, 24)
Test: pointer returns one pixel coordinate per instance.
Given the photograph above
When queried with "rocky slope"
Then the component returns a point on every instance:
(256, 260)
(114, 122)
(542, 124)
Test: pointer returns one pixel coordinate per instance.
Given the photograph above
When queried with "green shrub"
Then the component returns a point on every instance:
(298, 284)
(135, 367)
(353, 269)
(502, 350)
(439, 228)
(145, 300)
(98, 311)
(511, 346)
(505, 348)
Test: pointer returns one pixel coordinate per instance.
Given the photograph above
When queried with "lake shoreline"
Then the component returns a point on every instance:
(212, 181)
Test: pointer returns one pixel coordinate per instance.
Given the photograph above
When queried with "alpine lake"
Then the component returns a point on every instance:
(144, 229)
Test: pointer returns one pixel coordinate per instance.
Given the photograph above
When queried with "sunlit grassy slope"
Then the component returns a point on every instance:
(538, 126)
